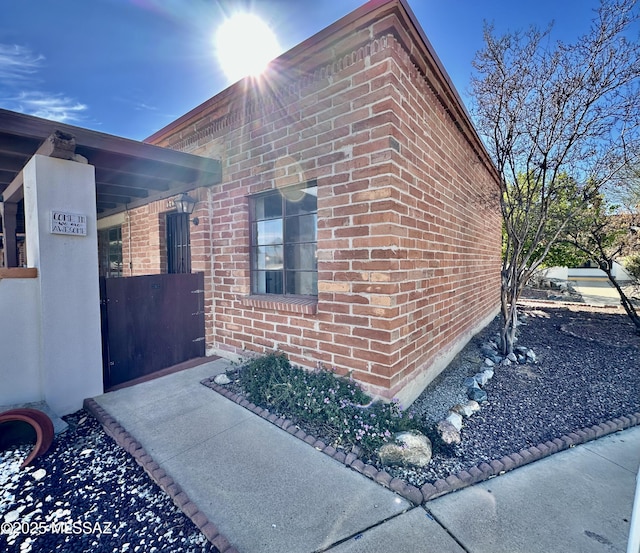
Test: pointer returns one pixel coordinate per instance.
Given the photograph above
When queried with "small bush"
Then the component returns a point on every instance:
(336, 407)
(632, 265)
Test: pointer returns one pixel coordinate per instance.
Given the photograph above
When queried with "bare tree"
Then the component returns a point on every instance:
(605, 233)
(553, 114)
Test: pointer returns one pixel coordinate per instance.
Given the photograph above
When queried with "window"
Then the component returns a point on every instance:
(110, 252)
(283, 242)
(178, 243)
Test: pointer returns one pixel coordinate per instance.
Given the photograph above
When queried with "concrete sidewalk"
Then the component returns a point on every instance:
(596, 291)
(268, 491)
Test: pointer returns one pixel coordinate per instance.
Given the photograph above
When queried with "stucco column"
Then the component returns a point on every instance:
(65, 252)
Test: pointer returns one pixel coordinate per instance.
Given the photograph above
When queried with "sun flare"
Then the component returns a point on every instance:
(244, 46)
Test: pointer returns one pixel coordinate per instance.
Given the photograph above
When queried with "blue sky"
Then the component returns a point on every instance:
(130, 67)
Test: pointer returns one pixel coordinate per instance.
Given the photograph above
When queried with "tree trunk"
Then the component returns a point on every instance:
(509, 310)
(624, 300)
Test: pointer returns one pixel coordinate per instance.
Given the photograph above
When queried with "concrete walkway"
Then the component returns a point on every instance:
(268, 491)
(598, 291)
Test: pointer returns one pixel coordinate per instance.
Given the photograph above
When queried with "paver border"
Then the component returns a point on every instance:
(179, 497)
(458, 480)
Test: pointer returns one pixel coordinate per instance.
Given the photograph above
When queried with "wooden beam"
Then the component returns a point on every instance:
(20, 145)
(121, 190)
(19, 272)
(106, 198)
(132, 180)
(14, 192)
(35, 127)
(13, 162)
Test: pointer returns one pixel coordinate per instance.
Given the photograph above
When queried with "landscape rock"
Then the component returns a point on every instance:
(531, 356)
(512, 357)
(449, 434)
(477, 394)
(470, 408)
(489, 362)
(467, 409)
(222, 379)
(409, 449)
(455, 419)
(483, 377)
(488, 350)
(470, 382)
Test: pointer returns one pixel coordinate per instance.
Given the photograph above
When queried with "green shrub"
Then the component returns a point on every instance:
(335, 406)
(632, 265)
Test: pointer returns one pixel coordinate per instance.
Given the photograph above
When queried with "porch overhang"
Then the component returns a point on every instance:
(128, 173)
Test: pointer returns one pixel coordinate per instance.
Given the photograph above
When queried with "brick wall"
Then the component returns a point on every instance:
(408, 226)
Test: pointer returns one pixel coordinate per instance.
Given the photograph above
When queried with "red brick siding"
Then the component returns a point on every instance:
(408, 236)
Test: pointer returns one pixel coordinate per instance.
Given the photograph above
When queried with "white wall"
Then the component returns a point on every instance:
(618, 271)
(555, 273)
(69, 321)
(20, 379)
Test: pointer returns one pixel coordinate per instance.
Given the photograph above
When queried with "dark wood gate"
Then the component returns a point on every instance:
(150, 323)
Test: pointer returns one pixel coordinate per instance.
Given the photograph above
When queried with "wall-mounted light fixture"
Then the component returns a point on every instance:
(186, 204)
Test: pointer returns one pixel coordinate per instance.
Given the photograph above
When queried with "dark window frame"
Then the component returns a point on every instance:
(287, 271)
(110, 252)
(178, 237)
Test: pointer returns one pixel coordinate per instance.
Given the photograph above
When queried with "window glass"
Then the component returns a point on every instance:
(110, 252)
(284, 242)
(268, 257)
(302, 283)
(268, 207)
(268, 232)
(302, 228)
(304, 202)
(267, 282)
(301, 257)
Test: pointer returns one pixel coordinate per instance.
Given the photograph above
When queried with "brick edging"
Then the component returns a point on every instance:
(179, 497)
(478, 473)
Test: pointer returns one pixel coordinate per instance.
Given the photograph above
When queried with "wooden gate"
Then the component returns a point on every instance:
(150, 323)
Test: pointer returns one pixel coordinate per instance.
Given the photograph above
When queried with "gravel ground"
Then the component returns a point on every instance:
(87, 494)
(587, 372)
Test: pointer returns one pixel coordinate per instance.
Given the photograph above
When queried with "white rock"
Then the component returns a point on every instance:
(512, 357)
(12, 516)
(488, 373)
(39, 474)
(470, 408)
(222, 379)
(410, 448)
(531, 356)
(489, 362)
(455, 419)
(449, 433)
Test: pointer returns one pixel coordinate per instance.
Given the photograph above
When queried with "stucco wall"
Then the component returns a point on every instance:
(20, 376)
